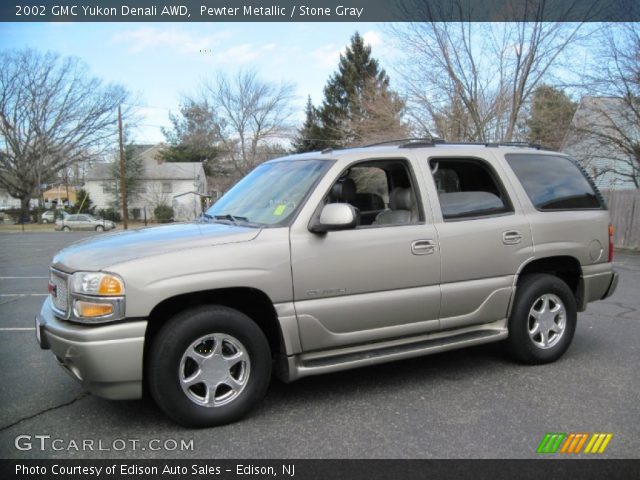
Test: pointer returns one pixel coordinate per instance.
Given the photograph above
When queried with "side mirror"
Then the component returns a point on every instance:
(335, 216)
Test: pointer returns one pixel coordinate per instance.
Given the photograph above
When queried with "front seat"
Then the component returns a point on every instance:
(344, 191)
(402, 208)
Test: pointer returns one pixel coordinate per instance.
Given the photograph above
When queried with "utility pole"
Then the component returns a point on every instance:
(123, 176)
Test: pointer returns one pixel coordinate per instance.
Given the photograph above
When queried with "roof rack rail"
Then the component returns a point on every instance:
(422, 142)
(537, 146)
(398, 140)
(432, 141)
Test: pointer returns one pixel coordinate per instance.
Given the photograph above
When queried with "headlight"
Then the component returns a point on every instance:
(97, 283)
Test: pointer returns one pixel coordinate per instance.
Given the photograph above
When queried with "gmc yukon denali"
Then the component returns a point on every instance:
(325, 261)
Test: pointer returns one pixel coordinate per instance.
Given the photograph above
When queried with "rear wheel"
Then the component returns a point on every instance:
(208, 366)
(543, 319)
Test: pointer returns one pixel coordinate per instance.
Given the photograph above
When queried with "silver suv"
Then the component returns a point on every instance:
(325, 261)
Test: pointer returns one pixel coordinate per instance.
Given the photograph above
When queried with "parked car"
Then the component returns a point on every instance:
(325, 261)
(84, 222)
(50, 216)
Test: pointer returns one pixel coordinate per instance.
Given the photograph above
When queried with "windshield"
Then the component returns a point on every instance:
(269, 194)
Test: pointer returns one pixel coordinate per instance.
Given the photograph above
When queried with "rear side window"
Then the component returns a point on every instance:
(554, 182)
(468, 188)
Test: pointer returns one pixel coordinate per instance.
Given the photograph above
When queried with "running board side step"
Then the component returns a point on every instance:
(326, 362)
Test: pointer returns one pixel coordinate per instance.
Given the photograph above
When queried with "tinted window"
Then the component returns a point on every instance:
(553, 183)
(468, 188)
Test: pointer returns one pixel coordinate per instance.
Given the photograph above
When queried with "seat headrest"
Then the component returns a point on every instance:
(344, 190)
(401, 199)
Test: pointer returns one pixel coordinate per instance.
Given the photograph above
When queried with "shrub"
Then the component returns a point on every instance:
(84, 204)
(36, 214)
(163, 213)
(110, 214)
(14, 215)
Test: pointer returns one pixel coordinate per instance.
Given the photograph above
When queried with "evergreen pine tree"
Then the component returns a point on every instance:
(358, 105)
(550, 118)
(309, 137)
(344, 91)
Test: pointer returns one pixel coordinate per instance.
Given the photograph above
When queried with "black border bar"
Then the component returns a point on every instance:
(318, 10)
(583, 469)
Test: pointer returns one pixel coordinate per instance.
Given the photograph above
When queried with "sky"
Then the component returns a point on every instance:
(161, 62)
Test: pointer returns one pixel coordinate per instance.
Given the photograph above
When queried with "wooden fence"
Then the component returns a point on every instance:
(624, 208)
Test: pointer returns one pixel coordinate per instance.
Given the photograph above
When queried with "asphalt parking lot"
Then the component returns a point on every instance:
(472, 403)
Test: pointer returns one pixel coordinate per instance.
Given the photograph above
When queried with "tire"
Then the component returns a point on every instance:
(546, 302)
(44, 220)
(99, 228)
(65, 229)
(197, 334)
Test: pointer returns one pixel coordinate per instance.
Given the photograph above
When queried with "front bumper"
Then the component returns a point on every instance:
(106, 359)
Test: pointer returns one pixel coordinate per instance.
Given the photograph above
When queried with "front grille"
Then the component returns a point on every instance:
(60, 296)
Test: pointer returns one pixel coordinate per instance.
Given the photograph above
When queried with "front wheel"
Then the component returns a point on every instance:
(99, 228)
(65, 229)
(543, 319)
(208, 366)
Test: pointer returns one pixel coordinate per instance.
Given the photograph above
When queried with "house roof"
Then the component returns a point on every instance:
(597, 113)
(154, 168)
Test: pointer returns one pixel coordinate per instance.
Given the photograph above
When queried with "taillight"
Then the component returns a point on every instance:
(610, 243)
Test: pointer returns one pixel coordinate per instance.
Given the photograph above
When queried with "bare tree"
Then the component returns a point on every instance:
(471, 80)
(253, 116)
(377, 117)
(52, 115)
(605, 133)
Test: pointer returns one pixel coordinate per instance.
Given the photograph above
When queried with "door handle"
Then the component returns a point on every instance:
(423, 247)
(511, 237)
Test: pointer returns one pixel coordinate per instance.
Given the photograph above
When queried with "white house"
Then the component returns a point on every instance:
(7, 201)
(177, 184)
(598, 130)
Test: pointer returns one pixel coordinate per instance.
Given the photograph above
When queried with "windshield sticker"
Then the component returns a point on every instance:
(279, 210)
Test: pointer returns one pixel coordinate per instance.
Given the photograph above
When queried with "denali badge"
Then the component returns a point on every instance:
(326, 292)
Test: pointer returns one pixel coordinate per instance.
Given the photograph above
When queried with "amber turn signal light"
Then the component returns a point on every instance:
(90, 309)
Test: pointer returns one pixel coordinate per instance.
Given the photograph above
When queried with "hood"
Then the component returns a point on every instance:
(100, 252)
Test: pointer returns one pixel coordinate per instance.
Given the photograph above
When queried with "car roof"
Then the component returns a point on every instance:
(428, 148)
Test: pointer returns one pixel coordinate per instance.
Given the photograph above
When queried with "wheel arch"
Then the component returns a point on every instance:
(252, 302)
(565, 267)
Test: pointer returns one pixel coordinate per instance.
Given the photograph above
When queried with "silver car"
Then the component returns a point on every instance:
(324, 261)
(50, 215)
(84, 222)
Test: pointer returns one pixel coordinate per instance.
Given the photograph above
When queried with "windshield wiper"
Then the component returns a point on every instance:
(232, 218)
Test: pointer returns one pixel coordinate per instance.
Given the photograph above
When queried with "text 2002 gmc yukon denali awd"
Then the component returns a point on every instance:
(331, 260)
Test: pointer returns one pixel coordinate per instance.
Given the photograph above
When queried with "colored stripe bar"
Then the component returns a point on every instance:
(605, 442)
(598, 443)
(543, 443)
(567, 443)
(551, 442)
(581, 443)
(590, 444)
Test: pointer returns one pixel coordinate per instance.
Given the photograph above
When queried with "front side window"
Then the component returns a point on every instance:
(382, 191)
(270, 194)
(554, 182)
(468, 188)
